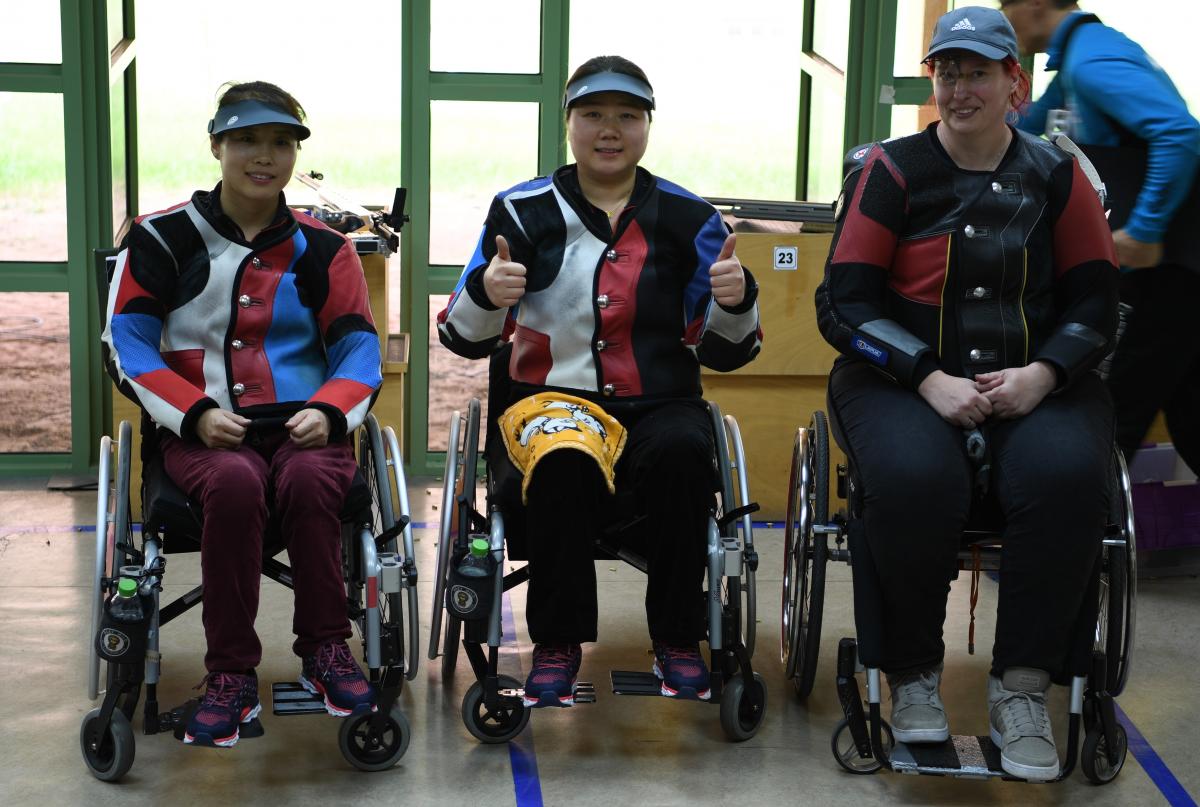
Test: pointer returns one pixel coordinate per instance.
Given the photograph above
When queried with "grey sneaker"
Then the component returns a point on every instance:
(1020, 724)
(918, 715)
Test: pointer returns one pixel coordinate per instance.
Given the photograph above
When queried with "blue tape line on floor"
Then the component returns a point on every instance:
(527, 786)
(1174, 792)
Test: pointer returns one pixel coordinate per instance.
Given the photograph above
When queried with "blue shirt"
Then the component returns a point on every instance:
(1107, 81)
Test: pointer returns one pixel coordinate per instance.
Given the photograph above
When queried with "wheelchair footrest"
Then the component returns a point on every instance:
(290, 698)
(963, 755)
(627, 682)
(585, 692)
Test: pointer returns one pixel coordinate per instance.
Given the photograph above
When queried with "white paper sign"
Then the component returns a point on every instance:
(786, 258)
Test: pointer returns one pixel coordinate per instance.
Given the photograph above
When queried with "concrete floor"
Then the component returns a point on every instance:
(638, 750)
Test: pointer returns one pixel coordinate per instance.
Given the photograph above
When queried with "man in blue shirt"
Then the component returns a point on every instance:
(1115, 101)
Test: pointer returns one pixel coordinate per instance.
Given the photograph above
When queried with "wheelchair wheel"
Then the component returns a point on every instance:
(805, 555)
(110, 758)
(846, 752)
(370, 750)
(1117, 615)
(730, 457)
(743, 708)
(497, 726)
(1094, 756)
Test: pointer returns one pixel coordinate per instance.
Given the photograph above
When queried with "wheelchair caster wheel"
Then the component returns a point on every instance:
(111, 756)
(1094, 756)
(742, 707)
(371, 749)
(846, 752)
(493, 726)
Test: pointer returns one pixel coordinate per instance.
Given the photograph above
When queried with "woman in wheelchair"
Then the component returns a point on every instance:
(228, 311)
(615, 286)
(971, 285)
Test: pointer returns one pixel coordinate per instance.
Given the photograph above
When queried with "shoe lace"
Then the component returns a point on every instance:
(1025, 714)
(221, 689)
(680, 653)
(337, 662)
(554, 656)
(916, 688)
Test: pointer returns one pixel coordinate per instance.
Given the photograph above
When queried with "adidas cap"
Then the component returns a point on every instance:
(980, 30)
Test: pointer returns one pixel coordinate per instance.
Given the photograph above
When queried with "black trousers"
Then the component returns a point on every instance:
(1050, 472)
(666, 473)
(1157, 362)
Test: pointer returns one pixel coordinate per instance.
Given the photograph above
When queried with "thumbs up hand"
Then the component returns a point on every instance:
(504, 279)
(726, 276)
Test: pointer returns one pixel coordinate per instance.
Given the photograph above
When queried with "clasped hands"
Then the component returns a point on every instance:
(1005, 394)
(220, 428)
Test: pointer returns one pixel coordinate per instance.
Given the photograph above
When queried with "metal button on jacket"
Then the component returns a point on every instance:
(601, 344)
(258, 264)
(611, 255)
(979, 292)
(609, 389)
(244, 301)
(238, 344)
(238, 389)
(969, 231)
(602, 301)
(975, 354)
(997, 187)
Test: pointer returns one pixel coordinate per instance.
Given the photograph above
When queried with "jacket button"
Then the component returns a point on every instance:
(257, 262)
(975, 354)
(997, 187)
(609, 389)
(611, 255)
(979, 292)
(969, 231)
(244, 301)
(238, 389)
(238, 344)
(601, 344)
(602, 301)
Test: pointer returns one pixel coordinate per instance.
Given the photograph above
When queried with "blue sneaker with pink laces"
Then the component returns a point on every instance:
(230, 701)
(551, 682)
(333, 674)
(682, 671)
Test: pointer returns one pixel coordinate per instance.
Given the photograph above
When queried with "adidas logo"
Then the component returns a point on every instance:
(963, 25)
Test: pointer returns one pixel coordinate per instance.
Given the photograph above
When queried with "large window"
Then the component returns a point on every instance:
(726, 84)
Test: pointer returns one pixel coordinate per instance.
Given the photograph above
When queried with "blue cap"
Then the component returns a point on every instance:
(985, 31)
(251, 112)
(608, 81)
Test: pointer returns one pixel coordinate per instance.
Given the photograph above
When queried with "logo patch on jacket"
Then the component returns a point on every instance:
(873, 353)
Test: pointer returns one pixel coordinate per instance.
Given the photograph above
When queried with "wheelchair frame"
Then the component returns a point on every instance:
(378, 565)
(492, 709)
(858, 740)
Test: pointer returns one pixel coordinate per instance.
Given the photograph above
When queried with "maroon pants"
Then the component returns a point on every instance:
(232, 486)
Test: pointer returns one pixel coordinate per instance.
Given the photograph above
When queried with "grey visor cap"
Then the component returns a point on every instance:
(985, 31)
(248, 113)
(608, 81)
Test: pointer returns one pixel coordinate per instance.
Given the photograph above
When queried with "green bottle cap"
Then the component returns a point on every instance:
(479, 547)
(127, 587)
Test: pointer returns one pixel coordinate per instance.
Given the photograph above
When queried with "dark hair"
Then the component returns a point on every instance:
(615, 64)
(1059, 4)
(232, 91)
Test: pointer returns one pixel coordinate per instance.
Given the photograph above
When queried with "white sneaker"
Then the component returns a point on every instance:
(918, 715)
(1020, 725)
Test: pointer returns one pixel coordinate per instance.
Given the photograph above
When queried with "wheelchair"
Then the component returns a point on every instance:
(379, 569)
(492, 708)
(862, 742)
